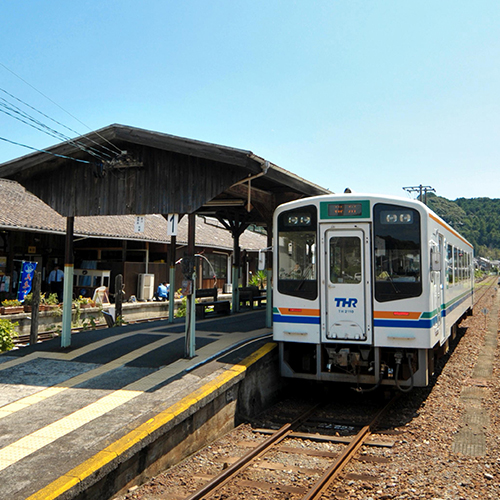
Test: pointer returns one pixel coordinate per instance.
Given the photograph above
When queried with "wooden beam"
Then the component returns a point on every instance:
(256, 194)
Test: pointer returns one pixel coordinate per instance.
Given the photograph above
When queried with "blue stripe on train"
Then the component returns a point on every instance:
(421, 323)
(311, 320)
(456, 304)
(395, 323)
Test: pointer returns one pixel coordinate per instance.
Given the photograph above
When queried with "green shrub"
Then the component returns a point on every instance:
(51, 300)
(181, 310)
(7, 334)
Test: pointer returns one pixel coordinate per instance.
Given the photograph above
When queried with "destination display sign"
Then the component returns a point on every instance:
(345, 209)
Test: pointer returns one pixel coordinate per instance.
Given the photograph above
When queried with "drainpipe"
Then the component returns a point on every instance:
(264, 165)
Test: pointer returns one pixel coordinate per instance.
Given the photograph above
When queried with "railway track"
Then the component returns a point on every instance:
(327, 465)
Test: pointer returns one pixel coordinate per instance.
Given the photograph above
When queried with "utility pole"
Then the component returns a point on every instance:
(422, 190)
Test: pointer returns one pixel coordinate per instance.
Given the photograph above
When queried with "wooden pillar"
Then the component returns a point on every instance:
(124, 252)
(68, 283)
(171, 297)
(236, 272)
(118, 298)
(190, 275)
(35, 303)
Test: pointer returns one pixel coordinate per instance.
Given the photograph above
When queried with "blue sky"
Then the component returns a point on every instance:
(373, 95)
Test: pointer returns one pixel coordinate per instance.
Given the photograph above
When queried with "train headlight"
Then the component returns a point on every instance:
(299, 220)
(397, 218)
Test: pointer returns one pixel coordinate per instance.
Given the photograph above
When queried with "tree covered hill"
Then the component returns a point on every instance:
(477, 219)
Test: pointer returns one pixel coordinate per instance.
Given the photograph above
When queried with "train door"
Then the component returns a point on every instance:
(346, 303)
(437, 286)
(442, 276)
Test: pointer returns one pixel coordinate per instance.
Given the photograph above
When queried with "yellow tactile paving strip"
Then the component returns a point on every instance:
(90, 466)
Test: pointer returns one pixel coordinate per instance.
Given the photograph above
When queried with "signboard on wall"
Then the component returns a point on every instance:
(173, 222)
(139, 225)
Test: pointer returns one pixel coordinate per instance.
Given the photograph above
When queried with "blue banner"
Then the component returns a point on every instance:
(27, 272)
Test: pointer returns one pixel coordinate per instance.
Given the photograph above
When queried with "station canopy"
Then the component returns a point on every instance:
(120, 170)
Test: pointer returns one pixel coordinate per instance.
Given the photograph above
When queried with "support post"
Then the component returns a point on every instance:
(171, 296)
(269, 272)
(235, 298)
(118, 297)
(236, 271)
(68, 283)
(35, 303)
(189, 274)
(191, 337)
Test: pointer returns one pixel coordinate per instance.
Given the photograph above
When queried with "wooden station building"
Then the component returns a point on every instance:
(122, 170)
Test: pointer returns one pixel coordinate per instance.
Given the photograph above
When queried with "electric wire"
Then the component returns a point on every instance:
(42, 150)
(59, 123)
(38, 125)
(45, 129)
(60, 107)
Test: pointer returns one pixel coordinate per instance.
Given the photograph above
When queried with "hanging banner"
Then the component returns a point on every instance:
(27, 272)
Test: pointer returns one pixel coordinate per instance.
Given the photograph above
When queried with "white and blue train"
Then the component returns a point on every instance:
(368, 289)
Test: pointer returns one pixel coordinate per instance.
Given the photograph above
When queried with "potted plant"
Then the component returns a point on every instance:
(28, 303)
(86, 302)
(28, 300)
(12, 306)
(51, 301)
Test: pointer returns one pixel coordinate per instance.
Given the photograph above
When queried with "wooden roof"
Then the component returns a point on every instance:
(156, 173)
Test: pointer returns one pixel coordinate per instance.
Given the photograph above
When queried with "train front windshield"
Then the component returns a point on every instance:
(397, 252)
(297, 264)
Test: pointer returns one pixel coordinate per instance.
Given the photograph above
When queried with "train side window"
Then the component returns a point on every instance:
(462, 265)
(449, 270)
(455, 264)
(397, 251)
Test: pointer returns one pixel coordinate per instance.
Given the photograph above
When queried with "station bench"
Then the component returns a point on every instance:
(219, 306)
(250, 295)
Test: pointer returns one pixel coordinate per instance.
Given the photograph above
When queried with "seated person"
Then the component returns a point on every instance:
(162, 292)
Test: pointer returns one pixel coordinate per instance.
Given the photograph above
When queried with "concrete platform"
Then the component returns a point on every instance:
(121, 404)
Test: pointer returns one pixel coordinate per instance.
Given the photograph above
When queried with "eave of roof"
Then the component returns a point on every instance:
(22, 211)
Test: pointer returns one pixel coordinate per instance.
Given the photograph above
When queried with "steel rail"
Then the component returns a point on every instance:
(345, 457)
(226, 475)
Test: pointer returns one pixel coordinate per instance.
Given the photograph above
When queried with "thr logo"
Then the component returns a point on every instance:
(340, 302)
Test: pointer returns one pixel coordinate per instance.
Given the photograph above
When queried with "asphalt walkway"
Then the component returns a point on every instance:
(60, 409)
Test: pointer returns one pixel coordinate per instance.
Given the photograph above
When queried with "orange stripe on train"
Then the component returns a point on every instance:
(298, 311)
(396, 314)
